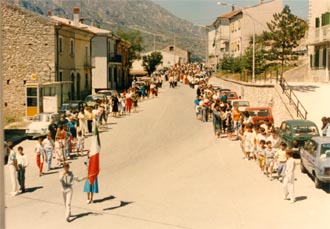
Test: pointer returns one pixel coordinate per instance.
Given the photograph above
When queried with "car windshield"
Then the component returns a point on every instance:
(305, 130)
(65, 107)
(325, 149)
(259, 113)
(92, 98)
(41, 118)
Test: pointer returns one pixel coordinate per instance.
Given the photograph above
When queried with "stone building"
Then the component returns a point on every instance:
(28, 49)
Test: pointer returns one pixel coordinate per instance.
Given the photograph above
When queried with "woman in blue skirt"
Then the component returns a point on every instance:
(90, 189)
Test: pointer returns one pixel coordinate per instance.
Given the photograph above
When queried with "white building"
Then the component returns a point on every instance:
(319, 40)
(232, 31)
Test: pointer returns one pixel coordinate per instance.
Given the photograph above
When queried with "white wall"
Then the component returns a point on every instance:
(100, 71)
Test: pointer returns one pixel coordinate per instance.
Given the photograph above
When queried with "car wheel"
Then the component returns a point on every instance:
(318, 183)
(302, 167)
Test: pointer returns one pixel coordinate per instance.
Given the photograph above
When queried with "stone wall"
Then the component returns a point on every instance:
(261, 96)
(28, 48)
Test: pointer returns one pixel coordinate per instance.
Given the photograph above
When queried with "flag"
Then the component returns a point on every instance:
(93, 165)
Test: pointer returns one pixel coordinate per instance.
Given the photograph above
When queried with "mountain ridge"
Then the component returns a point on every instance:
(148, 17)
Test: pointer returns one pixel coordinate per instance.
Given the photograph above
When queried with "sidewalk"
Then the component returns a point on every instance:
(313, 96)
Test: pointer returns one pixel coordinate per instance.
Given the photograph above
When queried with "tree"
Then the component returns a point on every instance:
(150, 62)
(136, 40)
(260, 62)
(286, 30)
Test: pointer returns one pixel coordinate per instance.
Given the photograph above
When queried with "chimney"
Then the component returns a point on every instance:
(49, 13)
(76, 19)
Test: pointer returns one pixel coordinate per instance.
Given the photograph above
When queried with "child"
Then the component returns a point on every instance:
(59, 150)
(269, 153)
(288, 182)
(40, 155)
(80, 143)
(90, 188)
(248, 142)
(67, 178)
(261, 155)
(280, 158)
(22, 163)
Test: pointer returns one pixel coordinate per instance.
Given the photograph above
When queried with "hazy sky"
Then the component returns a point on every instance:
(204, 12)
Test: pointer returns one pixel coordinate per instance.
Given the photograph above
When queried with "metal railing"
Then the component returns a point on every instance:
(293, 99)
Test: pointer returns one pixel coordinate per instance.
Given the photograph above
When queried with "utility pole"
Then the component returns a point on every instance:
(2, 133)
(174, 49)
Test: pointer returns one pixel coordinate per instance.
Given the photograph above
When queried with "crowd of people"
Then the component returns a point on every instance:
(259, 141)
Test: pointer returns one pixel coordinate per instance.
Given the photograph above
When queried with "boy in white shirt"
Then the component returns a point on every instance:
(22, 163)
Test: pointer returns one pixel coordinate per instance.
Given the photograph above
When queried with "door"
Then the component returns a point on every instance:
(31, 100)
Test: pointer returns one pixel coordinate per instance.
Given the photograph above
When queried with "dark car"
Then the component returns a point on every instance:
(297, 130)
(72, 105)
(315, 159)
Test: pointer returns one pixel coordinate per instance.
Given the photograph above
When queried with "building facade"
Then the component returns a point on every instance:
(232, 31)
(319, 40)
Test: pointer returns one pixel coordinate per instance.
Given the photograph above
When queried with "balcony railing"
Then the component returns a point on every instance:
(113, 57)
(322, 34)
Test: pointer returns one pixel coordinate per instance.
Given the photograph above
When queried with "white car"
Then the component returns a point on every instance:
(39, 125)
(242, 104)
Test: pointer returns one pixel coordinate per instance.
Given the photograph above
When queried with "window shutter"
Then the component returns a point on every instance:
(317, 22)
(324, 59)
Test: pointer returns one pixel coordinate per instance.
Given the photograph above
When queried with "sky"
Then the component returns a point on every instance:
(204, 12)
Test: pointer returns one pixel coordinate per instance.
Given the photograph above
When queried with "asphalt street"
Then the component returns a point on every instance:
(163, 168)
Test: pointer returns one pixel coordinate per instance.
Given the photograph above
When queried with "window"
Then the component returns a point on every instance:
(317, 22)
(60, 44)
(325, 19)
(71, 47)
(60, 77)
(324, 59)
(86, 82)
(86, 55)
(316, 59)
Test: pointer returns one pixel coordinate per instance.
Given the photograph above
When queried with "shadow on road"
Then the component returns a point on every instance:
(122, 204)
(304, 88)
(74, 217)
(32, 189)
(104, 199)
(301, 198)
(49, 173)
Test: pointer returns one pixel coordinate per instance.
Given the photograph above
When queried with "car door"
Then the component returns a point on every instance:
(311, 156)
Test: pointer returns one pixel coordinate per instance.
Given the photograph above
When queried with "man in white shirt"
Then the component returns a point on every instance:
(22, 162)
(288, 182)
(48, 145)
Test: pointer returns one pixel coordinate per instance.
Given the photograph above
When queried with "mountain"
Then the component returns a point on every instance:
(143, 15)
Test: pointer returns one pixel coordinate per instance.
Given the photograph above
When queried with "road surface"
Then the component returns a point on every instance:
(161, 168)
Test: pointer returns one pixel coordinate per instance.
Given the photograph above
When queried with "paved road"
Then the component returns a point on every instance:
(162, 168)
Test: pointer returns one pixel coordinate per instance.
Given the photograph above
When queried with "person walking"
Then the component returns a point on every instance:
(40, 155)
(288, 180)
(22, 163)
(12, 165)
(89, 188)
(52, 128)
(67, 179)
(216, 121)
(82, 121)
(280, 158)
(48, 145)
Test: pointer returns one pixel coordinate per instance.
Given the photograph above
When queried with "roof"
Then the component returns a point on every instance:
(88, 28)
(230, 14)
(322, 140)
(299, 122)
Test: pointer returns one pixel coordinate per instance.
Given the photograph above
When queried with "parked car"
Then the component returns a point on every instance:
(241, 104)
(108, 93)
(72, 105)
(315, 159)
(260, 114)
(91, 100)
(39, 125)
(297, 130)
(231, 95)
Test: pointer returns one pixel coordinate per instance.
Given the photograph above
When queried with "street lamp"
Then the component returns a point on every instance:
(253, 37)
(227, 4)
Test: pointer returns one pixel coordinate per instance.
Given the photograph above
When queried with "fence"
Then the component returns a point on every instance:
(293, 99)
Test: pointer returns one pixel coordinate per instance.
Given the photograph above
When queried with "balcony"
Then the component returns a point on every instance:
(321, 34)
(113, 57)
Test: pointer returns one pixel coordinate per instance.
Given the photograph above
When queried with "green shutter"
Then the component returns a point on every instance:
(317, 59)
(311, 61)
(324, 60)
(325, 19)
(317, 22)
